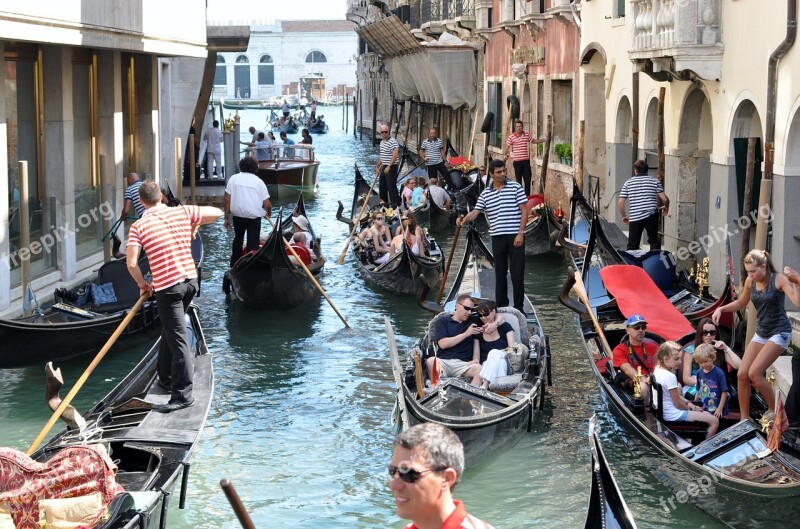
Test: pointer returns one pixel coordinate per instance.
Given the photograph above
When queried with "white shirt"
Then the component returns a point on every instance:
(214, 138)
(248, 193)
(668, 381)
(438, 195)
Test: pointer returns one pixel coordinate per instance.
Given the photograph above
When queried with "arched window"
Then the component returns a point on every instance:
(242, 59)
(241, 77)
(316, 56)
(266, 71)
(220, 77)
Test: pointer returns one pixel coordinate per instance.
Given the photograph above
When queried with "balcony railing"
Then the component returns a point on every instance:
(678, 29)
(357, 11)
(441, 10)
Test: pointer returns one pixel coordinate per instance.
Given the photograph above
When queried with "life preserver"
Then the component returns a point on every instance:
(302, 252)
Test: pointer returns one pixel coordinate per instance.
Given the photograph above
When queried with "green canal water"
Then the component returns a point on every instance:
(301, 416)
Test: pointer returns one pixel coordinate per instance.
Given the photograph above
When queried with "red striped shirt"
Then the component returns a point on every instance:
(165, 233)
(459, 519)
(519, 146)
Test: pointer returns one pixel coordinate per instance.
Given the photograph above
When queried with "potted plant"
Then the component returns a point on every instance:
(564, 151)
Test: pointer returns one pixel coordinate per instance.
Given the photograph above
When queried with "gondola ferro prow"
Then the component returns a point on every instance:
(564, 297)
(55, 381)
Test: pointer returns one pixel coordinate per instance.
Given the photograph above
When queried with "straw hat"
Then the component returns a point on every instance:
(301, 222)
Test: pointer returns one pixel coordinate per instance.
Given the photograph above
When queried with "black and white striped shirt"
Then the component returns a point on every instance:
(433, 151)
(387, 147)
(642, 191)
(502, 208)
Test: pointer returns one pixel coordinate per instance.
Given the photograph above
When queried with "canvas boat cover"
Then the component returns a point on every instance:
(636, 293)
(75, 472)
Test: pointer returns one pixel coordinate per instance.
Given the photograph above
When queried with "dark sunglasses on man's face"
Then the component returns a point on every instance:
(409, 475)
(468, 309)
(712, 332)
(639, 327)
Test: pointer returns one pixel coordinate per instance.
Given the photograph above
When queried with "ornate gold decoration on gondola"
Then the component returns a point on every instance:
(702, 275)
(637, 383)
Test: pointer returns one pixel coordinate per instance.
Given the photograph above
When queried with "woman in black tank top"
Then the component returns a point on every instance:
(767, 289)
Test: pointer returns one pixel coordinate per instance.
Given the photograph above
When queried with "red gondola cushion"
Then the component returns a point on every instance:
(302, 252)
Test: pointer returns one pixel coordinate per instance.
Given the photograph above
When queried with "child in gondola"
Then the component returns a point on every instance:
(675, 407)
(712, 384)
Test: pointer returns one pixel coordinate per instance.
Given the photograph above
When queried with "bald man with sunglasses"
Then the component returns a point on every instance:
(427, 463)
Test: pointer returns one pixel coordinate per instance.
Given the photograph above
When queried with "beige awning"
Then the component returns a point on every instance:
(442, 73)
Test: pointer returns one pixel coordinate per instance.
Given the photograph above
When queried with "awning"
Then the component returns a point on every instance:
(443, 73)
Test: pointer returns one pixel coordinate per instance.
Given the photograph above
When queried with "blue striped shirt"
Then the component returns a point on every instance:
(502, 208)
(387, 146)
(642, 191)
(433, 151)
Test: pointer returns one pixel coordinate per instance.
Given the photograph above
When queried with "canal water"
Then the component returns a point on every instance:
(301, 416)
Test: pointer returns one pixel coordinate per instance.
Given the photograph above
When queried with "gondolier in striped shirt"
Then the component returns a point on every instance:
(643, 192)
(506, 209)
(386, 168)
(517, 143)
(165, 233)
(431, 151)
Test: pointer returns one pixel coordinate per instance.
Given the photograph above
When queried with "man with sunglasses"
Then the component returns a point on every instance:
(635, 352)
(455, 337)
(427, 464)
(386, 168)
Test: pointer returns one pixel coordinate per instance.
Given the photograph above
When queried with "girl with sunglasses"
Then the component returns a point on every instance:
(768, 290)
(496, 335)
(707, 332)
(377, 239)
(411, 234)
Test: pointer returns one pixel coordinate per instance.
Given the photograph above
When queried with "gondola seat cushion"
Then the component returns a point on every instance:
(505, 384)
(657, 405)
(517, 320)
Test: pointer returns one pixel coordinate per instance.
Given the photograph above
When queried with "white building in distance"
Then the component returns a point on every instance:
(283, 52)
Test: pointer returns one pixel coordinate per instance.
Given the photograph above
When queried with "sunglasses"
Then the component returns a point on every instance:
(483, 314)
(468, 309)
(639, 327)
(384, 132)
(712, 332)
(409, 475)
(378, 218)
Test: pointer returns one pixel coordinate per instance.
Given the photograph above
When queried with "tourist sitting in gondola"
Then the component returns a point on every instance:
(305, 254)
(635, 352)
(707, 333)
(456, 334)
(497, 335)
(675, 407)
(410, 234)
(301, 227)
(438, 194)
(712, 384)
(418, 195)
(377, 240)
(408, 192)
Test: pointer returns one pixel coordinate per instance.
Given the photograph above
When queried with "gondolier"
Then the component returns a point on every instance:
(165, 233)
(517, 143)
(386, 168)
(506, 210)
(643, 191)
(431, 151)
(246, 203)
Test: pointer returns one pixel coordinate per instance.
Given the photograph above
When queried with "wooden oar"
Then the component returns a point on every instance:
(236, 503)
(79, 384)
(356, 222)
(580, 289)
(308, 272)
(449, 262)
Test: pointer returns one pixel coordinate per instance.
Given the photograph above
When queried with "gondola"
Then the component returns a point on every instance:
(541, 232)
(405, 272)
(269, 279)
(149, 450)
(486, 420)
(320, 127)
(607, 507)
(289, 127)
(732, 475)
(659, 264)
(77, 323)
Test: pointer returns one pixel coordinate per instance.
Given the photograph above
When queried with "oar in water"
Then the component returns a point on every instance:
(308, 272)
(236, 503)
(449, 262)
(356, 222)
(79, 384)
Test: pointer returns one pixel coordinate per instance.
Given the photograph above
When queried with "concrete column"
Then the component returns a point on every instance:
(785, 233)
(59, 170)
(722, 216)
(5, 248)
(146, 107)
(619, 169)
